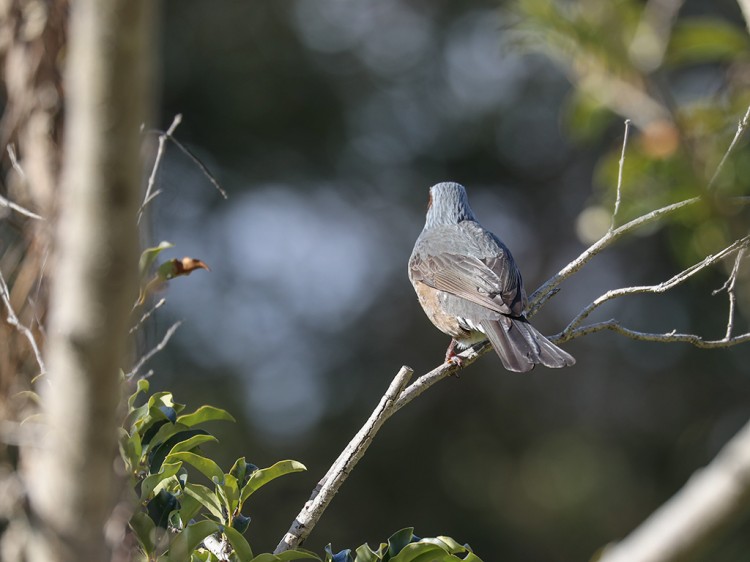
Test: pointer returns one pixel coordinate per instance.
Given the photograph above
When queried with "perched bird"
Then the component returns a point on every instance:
(470, 287)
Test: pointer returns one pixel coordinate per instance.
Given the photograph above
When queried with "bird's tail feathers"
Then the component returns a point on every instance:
(521, 346)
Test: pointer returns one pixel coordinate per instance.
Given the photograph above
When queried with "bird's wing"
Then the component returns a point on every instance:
(493, 282)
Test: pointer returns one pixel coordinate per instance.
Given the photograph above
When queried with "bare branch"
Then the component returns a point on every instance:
(218, 546)
(619, 174)
(712, 499)
(741, 126)
(149, 196)
(729, 288)
(160, 346)
(13, 320)
(737, 246)
(669, 337)
(344, 464)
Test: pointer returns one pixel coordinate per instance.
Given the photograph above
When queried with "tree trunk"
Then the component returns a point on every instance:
(72, 484)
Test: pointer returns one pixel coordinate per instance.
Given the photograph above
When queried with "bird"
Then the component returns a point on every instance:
(470, 287)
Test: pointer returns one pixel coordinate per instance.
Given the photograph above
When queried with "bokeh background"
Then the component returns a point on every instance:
(326, 121)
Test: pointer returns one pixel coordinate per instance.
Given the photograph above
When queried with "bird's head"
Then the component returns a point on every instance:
(448, 204)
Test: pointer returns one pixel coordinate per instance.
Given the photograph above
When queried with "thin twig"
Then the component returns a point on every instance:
(13, 320)
(14, 161)
(203, 168)
(6, 202)
(741, 127)
(619, 175)
(323, 493)
(729, 288)
(147, 314)
(161, 345)
(737, 246)
(669, 337)
(148, 197)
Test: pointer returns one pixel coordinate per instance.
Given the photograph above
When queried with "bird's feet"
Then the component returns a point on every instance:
(451, 357)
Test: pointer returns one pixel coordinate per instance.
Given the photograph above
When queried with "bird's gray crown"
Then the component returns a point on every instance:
(449, 204)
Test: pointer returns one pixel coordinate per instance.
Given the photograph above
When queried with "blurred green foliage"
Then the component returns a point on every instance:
(633, 60)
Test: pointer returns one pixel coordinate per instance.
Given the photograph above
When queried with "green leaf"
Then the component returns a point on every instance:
(263, 476)
(286, 556)
(240, 470)
(205, 466)
(423, 552)
(130, 449)
(145, 531)
(166, 441)
(231, 492)
(149, 255)
(189, 507)
(398, 540)
(150, 482)
(700, 40)
(187, 540)
(240, 522)
(297, 554)
(141, 386)
(365, 554)
(238, 542)
(161, 506)
(204, 414)
(193, 442)
(207, 498)
(265, 557)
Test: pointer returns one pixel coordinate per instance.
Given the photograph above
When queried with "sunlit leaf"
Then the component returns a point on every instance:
(150, 482)
(231, 492)
(168, 441)
(207, 498)
(205, 466)
(205, 414)
(238, 542)
(365, 554)
(141, 386)
(149, 255)
(263, 476)
(189, 506)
